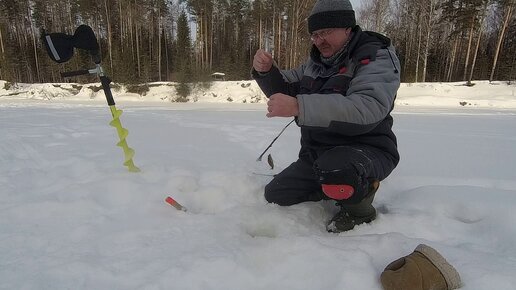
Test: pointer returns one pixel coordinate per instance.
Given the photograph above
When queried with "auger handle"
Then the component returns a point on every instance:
(75, 73)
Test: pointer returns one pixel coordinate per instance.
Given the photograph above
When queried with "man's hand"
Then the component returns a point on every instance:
(262, 61)
(281, 105)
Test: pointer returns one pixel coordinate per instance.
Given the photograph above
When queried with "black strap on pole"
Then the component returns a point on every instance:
(105, 81)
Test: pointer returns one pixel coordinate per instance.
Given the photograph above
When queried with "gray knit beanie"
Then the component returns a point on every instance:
(331, 14)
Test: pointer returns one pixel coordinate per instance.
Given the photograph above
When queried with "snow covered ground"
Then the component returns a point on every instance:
(72, 217)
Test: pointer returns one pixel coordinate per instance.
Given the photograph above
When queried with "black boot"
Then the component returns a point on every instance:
(351, 215)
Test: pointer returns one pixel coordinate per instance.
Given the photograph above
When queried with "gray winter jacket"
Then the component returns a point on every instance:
(346, 104)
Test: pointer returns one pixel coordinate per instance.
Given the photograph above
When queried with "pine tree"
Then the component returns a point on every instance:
(183, 55)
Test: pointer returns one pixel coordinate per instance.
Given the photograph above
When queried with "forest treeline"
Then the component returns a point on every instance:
(187, 40)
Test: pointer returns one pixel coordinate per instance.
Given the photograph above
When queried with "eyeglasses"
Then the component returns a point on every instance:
(321, 35)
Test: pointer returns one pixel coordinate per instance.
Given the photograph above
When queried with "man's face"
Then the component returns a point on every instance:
(330, 40)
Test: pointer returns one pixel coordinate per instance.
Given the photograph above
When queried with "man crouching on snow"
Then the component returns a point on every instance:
(341, 99)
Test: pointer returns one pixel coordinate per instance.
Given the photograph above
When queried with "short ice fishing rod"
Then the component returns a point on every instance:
(60, 48)
(269, 157)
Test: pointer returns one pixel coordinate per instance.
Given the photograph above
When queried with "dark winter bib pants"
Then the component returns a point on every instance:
(355, 166)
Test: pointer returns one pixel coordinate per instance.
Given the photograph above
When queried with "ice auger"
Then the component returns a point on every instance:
(60, 48)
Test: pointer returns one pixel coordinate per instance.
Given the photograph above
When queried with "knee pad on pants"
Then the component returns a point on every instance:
(342, 184)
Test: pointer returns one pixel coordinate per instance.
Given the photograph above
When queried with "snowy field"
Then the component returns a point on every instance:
(72, 217)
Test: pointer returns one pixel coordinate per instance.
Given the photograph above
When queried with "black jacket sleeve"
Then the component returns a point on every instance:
(274, 82)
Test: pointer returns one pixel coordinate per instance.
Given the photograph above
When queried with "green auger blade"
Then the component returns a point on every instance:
(122, 134)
